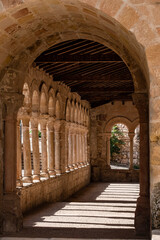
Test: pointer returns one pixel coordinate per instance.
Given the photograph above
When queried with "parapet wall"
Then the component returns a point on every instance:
(54, 189)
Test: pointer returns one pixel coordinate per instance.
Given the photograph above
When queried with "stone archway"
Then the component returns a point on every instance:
(107, 32)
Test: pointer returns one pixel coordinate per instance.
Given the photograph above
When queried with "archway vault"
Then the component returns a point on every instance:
(34, 28)
(31, 28)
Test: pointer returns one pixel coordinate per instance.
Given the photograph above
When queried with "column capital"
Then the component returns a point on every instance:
(51, 122)
(131, 135)
(12, 100)
(43, 121)
(141, 102)
(25, 120)
(34, 121)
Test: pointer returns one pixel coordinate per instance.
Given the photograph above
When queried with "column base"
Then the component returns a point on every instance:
(45, 175)
(52, 173)
(108, 167)
(71, 168)
(36, 177)
(79, 165)
(75, 166)
(142, 217)
(82, 164)
(19, 183)
(27, 179)
(67, 169)
(58, 172)
(12, 219)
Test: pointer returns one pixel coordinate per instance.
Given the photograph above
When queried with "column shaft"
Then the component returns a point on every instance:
(35, 147)
(26, 152)
(57, 150)
(19, 159)
(51, 149)
(131, 136)
(108, 136)
(44, 172)
(142, 214)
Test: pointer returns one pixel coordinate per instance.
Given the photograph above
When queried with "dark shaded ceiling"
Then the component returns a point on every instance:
(96, 72)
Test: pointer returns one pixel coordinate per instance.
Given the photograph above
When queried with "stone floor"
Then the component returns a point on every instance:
(99, 211)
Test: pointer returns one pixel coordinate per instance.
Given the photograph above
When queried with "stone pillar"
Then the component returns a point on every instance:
(108, 136)
(63, 146)
(70, 157)
(81, 148)
(12, 220)
(44, 173)
(86, 147)
(104, 147)
(35, 148)
(19, 159)
(27, 178)
(51, 147)
(57, 148)
(142, 214)
(67, 169)
(74, 149)
(77, 149)
(131, 136)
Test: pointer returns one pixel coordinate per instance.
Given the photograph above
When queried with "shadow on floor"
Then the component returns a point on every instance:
(99, 211)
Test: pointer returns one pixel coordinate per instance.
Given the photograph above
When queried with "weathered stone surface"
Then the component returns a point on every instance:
(54, 189)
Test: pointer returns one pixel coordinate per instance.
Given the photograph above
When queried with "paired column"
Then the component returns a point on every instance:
(108, 136)
(51, 147)
(44, 173)
(57, 148)
(142, 214)
(70, 146)
(67, 169)
(131, 136)
(35, 147)
(27, 178)
(19, 158)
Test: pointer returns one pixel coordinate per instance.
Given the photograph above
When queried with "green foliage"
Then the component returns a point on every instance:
(115, 141)
(39, 134)
(136, 167)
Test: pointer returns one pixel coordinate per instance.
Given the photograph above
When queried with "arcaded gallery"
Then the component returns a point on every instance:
(80, 119)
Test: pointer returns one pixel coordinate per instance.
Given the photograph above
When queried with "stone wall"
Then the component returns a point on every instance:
(114, 175)
(54, 189)
(155, 199)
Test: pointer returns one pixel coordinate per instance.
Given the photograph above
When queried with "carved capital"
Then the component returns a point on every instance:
(34, 123)
(142, 104)
(51, 121)
(131, 135)
(13, 101)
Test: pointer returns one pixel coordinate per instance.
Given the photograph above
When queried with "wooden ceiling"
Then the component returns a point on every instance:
(96, 72)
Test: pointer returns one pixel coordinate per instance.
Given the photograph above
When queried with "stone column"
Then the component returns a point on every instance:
(57, 148)
(131, 136)
(44, 173)
(86, 147)
(70, 157)
(74, 149)
(12, 215)
(81, 148)
(67, 169)
(77, 149)
(51, 147)
(108, 136)
(142, 214)
(19, 159)
(27, 178)
(35, 147)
